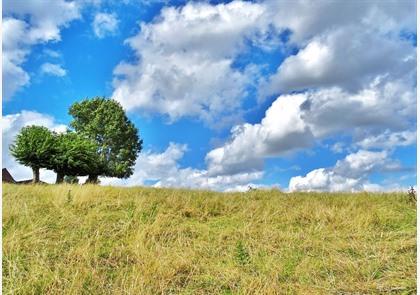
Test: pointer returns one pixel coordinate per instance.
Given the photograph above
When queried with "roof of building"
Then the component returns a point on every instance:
(6, 176)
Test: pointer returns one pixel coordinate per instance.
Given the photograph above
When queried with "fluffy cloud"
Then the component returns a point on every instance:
(53, 69)
(349, 174)
(185, 56)
(105, 24)
(282, 130)
(14, 54)
(26, 23)
(328, 57)
(381, 106)
(185, 59)
(11, 125)
(163, 170)
(307, 18)
(351, 64)
(44, 18)
(296, 121)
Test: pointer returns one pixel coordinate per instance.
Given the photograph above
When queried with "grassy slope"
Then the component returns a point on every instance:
(102, 240)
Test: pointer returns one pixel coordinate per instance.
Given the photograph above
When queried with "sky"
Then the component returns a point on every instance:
(296, 95)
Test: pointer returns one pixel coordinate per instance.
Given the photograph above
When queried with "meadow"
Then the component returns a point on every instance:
(71, 239)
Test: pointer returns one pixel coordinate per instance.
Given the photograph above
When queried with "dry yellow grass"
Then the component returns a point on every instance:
(102, 240)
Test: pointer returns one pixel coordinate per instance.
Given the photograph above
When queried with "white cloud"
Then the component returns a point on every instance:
(185, 58)
(349, 174)
(296, 121)
(163, 170)
(53, 69)
(26, 23)
(308, 18)
(388, 140)
(14, 77)
(381, 106)
(105, 24)
(335, 59)
(185, 55)
(44, 18)
(281, 131)
(342, 44)
(338, 147)
(52, 53)
(11, 125)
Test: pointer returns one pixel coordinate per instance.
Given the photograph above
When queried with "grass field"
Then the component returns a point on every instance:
(101, 240)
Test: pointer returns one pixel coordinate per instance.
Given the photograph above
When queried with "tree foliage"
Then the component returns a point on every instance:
(105, 143)
(34, 147)
(74, 155)
(118, 144)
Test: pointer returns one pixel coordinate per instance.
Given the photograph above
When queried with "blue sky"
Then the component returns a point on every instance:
(226, 94)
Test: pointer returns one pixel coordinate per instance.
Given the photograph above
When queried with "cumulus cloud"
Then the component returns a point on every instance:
(45, 18)
(282, 130)
(328, 57)
(185, 56)
(185, 59)
(296, 121)
(105, 24)
(14, 76)
(11, 125)
(349, 174)
(26, 23)
(53, 70)
(381, 106)
(335, 59)
(163, 170)
(307, 18)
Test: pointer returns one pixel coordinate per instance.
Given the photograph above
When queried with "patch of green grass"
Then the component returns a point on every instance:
(70, 239)
(241, 254)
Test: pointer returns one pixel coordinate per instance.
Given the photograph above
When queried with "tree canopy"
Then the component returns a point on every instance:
(74, 155)
(118, 143)
(104, 143)
(34, 147)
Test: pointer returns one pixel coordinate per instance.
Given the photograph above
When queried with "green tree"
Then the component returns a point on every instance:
(74, 155)
(71, 179)
(104, 121)
(34, 147)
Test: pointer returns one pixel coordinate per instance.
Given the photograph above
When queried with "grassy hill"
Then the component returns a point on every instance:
(102, 240)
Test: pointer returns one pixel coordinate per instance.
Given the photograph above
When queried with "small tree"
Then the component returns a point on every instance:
(33, 147)
(74, 155)
(104, 121)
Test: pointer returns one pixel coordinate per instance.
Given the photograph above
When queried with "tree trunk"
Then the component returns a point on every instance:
(93, 179)
(35, 172)
(60, 178)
